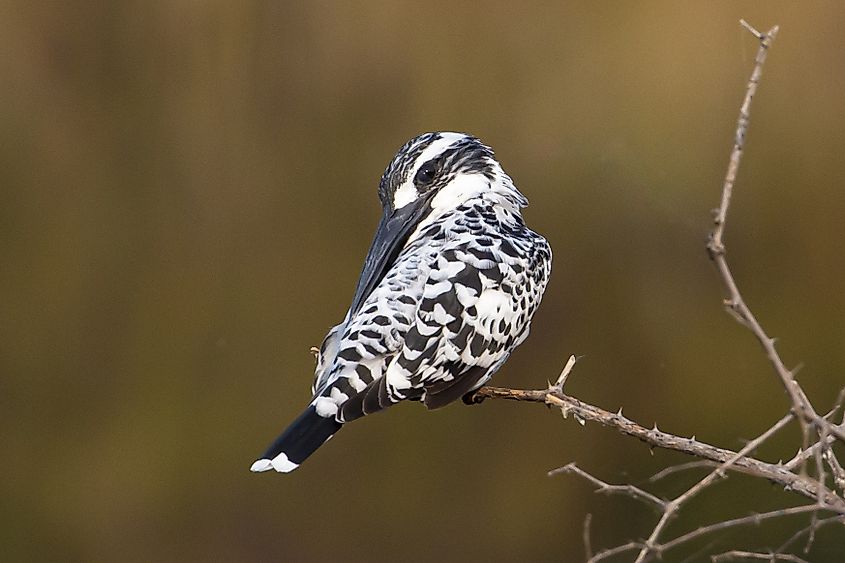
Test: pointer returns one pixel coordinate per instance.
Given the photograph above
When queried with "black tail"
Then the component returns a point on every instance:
(301, 439)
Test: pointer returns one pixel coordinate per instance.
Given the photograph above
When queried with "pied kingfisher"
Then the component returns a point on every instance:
(448, 289)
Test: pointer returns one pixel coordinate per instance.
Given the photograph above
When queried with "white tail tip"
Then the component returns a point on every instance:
(280, 463)
(261, 465)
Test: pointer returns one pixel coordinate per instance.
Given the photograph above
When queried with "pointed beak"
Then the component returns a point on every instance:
(394, 229)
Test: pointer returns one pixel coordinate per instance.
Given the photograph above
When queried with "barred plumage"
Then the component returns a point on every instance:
(448, 289)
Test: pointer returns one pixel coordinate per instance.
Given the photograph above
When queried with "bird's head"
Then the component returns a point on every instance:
(443, 170)
(432, 174)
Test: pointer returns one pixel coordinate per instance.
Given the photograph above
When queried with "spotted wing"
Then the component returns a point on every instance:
(475, 308)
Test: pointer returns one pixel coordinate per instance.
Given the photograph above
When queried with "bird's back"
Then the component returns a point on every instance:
(456, 302)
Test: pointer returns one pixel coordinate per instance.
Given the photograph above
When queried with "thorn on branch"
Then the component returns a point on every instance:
(734, 309)
(794, 371)
(715, 249)
(564, 374)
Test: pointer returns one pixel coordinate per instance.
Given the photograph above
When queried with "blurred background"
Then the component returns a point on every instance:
(189, 189)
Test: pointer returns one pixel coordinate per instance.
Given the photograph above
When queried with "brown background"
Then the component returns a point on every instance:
(189, 188)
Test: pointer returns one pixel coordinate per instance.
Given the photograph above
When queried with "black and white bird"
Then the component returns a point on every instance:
(447, 292)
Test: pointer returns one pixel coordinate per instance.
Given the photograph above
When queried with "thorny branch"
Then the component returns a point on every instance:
(654, 437)
(819, 433)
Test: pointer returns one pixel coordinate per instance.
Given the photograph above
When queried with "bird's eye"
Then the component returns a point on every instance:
(425, 175)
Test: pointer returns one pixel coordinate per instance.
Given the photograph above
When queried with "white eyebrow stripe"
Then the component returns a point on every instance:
(407, 192)
(435, 148)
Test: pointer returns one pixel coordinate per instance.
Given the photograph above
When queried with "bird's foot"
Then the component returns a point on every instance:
(473, 398)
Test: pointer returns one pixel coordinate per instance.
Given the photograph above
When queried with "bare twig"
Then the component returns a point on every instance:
(803, 455)
(737, 555)
(716, 247)
(753, 519)
(810, 531)
(672, 469)
(829, 455)
(820, 472)
(716, 244)
(588, 546)
(607, 488)
(835, 468)
(614, 551)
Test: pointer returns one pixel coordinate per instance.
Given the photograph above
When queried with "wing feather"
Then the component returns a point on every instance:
(471, 305)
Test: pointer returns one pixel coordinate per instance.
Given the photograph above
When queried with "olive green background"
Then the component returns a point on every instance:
(188, 191)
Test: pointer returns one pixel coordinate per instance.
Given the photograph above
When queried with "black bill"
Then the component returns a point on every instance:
(393, 232)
